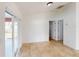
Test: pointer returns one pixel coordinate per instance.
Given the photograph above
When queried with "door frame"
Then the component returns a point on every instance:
(14, 18)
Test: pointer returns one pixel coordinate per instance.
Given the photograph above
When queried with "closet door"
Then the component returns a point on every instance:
(54, 30)
(60, 29)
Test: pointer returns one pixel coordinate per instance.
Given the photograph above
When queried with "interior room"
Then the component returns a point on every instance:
(39, 29)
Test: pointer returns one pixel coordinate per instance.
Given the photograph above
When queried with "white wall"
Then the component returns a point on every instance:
(70, 25)
(77, 26)
(68, 14)
(35, 28)
(2, 43)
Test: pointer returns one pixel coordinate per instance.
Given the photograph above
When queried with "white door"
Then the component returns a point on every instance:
(54, 30)
(60, 29)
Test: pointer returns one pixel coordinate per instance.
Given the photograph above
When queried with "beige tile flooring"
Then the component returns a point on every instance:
(47, 49)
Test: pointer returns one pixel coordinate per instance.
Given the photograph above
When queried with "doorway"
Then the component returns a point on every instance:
(11, 35)
(8, 37)
(56, 30)
(52, 30)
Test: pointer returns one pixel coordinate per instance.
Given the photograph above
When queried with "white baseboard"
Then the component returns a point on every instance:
(36, 41)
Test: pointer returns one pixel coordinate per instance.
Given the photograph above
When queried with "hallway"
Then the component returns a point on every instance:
(47, 49)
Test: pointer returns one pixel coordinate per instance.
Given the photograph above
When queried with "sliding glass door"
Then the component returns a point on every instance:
(11, 36)
(15, 36)
(8, 37)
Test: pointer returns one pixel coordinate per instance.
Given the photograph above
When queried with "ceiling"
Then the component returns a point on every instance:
(37, 7)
